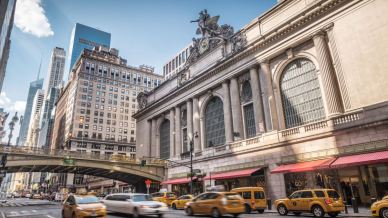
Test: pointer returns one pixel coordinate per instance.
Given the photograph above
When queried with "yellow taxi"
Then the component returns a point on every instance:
(165, 197)
(82, 206)
(216, 204)
(380, 208)
(254, 198)
(181, 202)
(315, 201)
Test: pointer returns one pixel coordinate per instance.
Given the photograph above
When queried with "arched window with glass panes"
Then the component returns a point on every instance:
(214, 122)
(165, 139)
(249, 115)
(301, 94)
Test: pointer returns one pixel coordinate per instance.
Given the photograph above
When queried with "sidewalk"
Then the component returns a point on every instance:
(363, 212)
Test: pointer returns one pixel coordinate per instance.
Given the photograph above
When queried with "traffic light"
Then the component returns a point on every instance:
(143, 163)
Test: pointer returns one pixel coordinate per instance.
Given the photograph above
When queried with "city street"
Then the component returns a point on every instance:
(26, 208)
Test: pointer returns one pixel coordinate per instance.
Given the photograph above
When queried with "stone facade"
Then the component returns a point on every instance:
(343, 43)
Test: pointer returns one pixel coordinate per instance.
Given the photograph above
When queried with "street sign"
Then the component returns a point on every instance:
(68, 161)
(148, 183)
(196, 171)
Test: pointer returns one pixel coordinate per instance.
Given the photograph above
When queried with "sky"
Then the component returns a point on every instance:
(144, 31)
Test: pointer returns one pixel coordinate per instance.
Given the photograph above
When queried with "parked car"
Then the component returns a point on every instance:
(181, 202)
(16, 195)
(134, 204)
(315, 201)
(28, 195)
(380, 208)
(217, 204)
(164, 197)
(82, 206)
(254, 198)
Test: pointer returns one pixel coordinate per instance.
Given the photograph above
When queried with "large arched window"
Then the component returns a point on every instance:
(165, 139)
(301, 94)
(249, 115)
(214, 123)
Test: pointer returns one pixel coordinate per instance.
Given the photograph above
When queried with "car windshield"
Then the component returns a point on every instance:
(170, 195)
(232, 196)
(137, 198)
(86, 199)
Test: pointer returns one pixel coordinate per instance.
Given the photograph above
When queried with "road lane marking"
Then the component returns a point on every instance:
(2, 214)
(49, 216)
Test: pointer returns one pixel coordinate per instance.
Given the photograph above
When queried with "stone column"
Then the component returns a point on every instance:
(178, 140)
(227, 113)
(236, 107)
(270, 93)
(153, 138)
(196, 124)
(329, 80)
(172, 132)
(148, 139)
(189, 106)
(257, 100)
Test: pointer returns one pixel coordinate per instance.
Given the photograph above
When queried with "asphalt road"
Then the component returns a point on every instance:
(25, 208)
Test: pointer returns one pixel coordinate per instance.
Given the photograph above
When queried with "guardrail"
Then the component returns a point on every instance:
(23, 150)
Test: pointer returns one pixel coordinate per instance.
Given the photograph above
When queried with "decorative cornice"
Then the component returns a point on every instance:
(304, 19)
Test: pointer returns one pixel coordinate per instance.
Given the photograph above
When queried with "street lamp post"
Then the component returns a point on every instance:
(191, 161)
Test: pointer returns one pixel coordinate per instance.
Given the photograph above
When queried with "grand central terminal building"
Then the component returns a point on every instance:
(298, 98)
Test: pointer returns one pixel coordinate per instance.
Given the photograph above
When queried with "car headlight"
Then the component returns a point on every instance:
(143, 206)
(375, 204)
(80, 208)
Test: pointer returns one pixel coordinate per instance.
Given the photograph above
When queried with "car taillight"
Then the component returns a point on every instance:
(328, 201)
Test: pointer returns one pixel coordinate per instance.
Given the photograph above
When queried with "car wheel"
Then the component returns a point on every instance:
(318, 211)
(189, 211)
(236, 215)
(333, 214)
(216, 213)
(297, 213)
(160, 215)
(173, 206)
(260, 210)
(135, 213)
(247, 208)
(282, 210)
(384, 213)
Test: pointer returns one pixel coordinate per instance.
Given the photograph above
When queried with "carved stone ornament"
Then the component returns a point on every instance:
(211, 33)
(239, 41)
(142, 100)
(182, 78)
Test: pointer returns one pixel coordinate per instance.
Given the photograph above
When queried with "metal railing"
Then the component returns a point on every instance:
(40, 152)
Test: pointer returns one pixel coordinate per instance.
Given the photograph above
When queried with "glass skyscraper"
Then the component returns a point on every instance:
(34, 87)
(85, 37)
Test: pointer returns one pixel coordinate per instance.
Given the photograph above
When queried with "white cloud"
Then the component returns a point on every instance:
(11, 107)
(30, 18)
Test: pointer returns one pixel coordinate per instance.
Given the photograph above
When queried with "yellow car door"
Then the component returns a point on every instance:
(305, 199)
(294, 202)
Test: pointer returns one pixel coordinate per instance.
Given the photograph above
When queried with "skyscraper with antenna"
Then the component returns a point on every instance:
(34, 87)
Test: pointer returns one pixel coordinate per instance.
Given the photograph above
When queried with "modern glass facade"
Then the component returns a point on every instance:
(34, 87)
(85, 37)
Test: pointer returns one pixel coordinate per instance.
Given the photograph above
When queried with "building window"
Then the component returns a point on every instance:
(301, 94)
(165, 139)
(214, 123)
(249, 118)
(246, 92)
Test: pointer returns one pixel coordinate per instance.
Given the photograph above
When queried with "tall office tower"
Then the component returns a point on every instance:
(55, 80)
(93, 114)
(33, 129)
(34, 87)
(7, 12)
(84, 36)
(177, 63)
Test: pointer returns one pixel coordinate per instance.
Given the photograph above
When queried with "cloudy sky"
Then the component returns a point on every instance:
(145, 32)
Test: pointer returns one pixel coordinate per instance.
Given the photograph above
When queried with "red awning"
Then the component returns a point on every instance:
(304, 166)
(176, 181)
(232, 174)
(361, 159)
